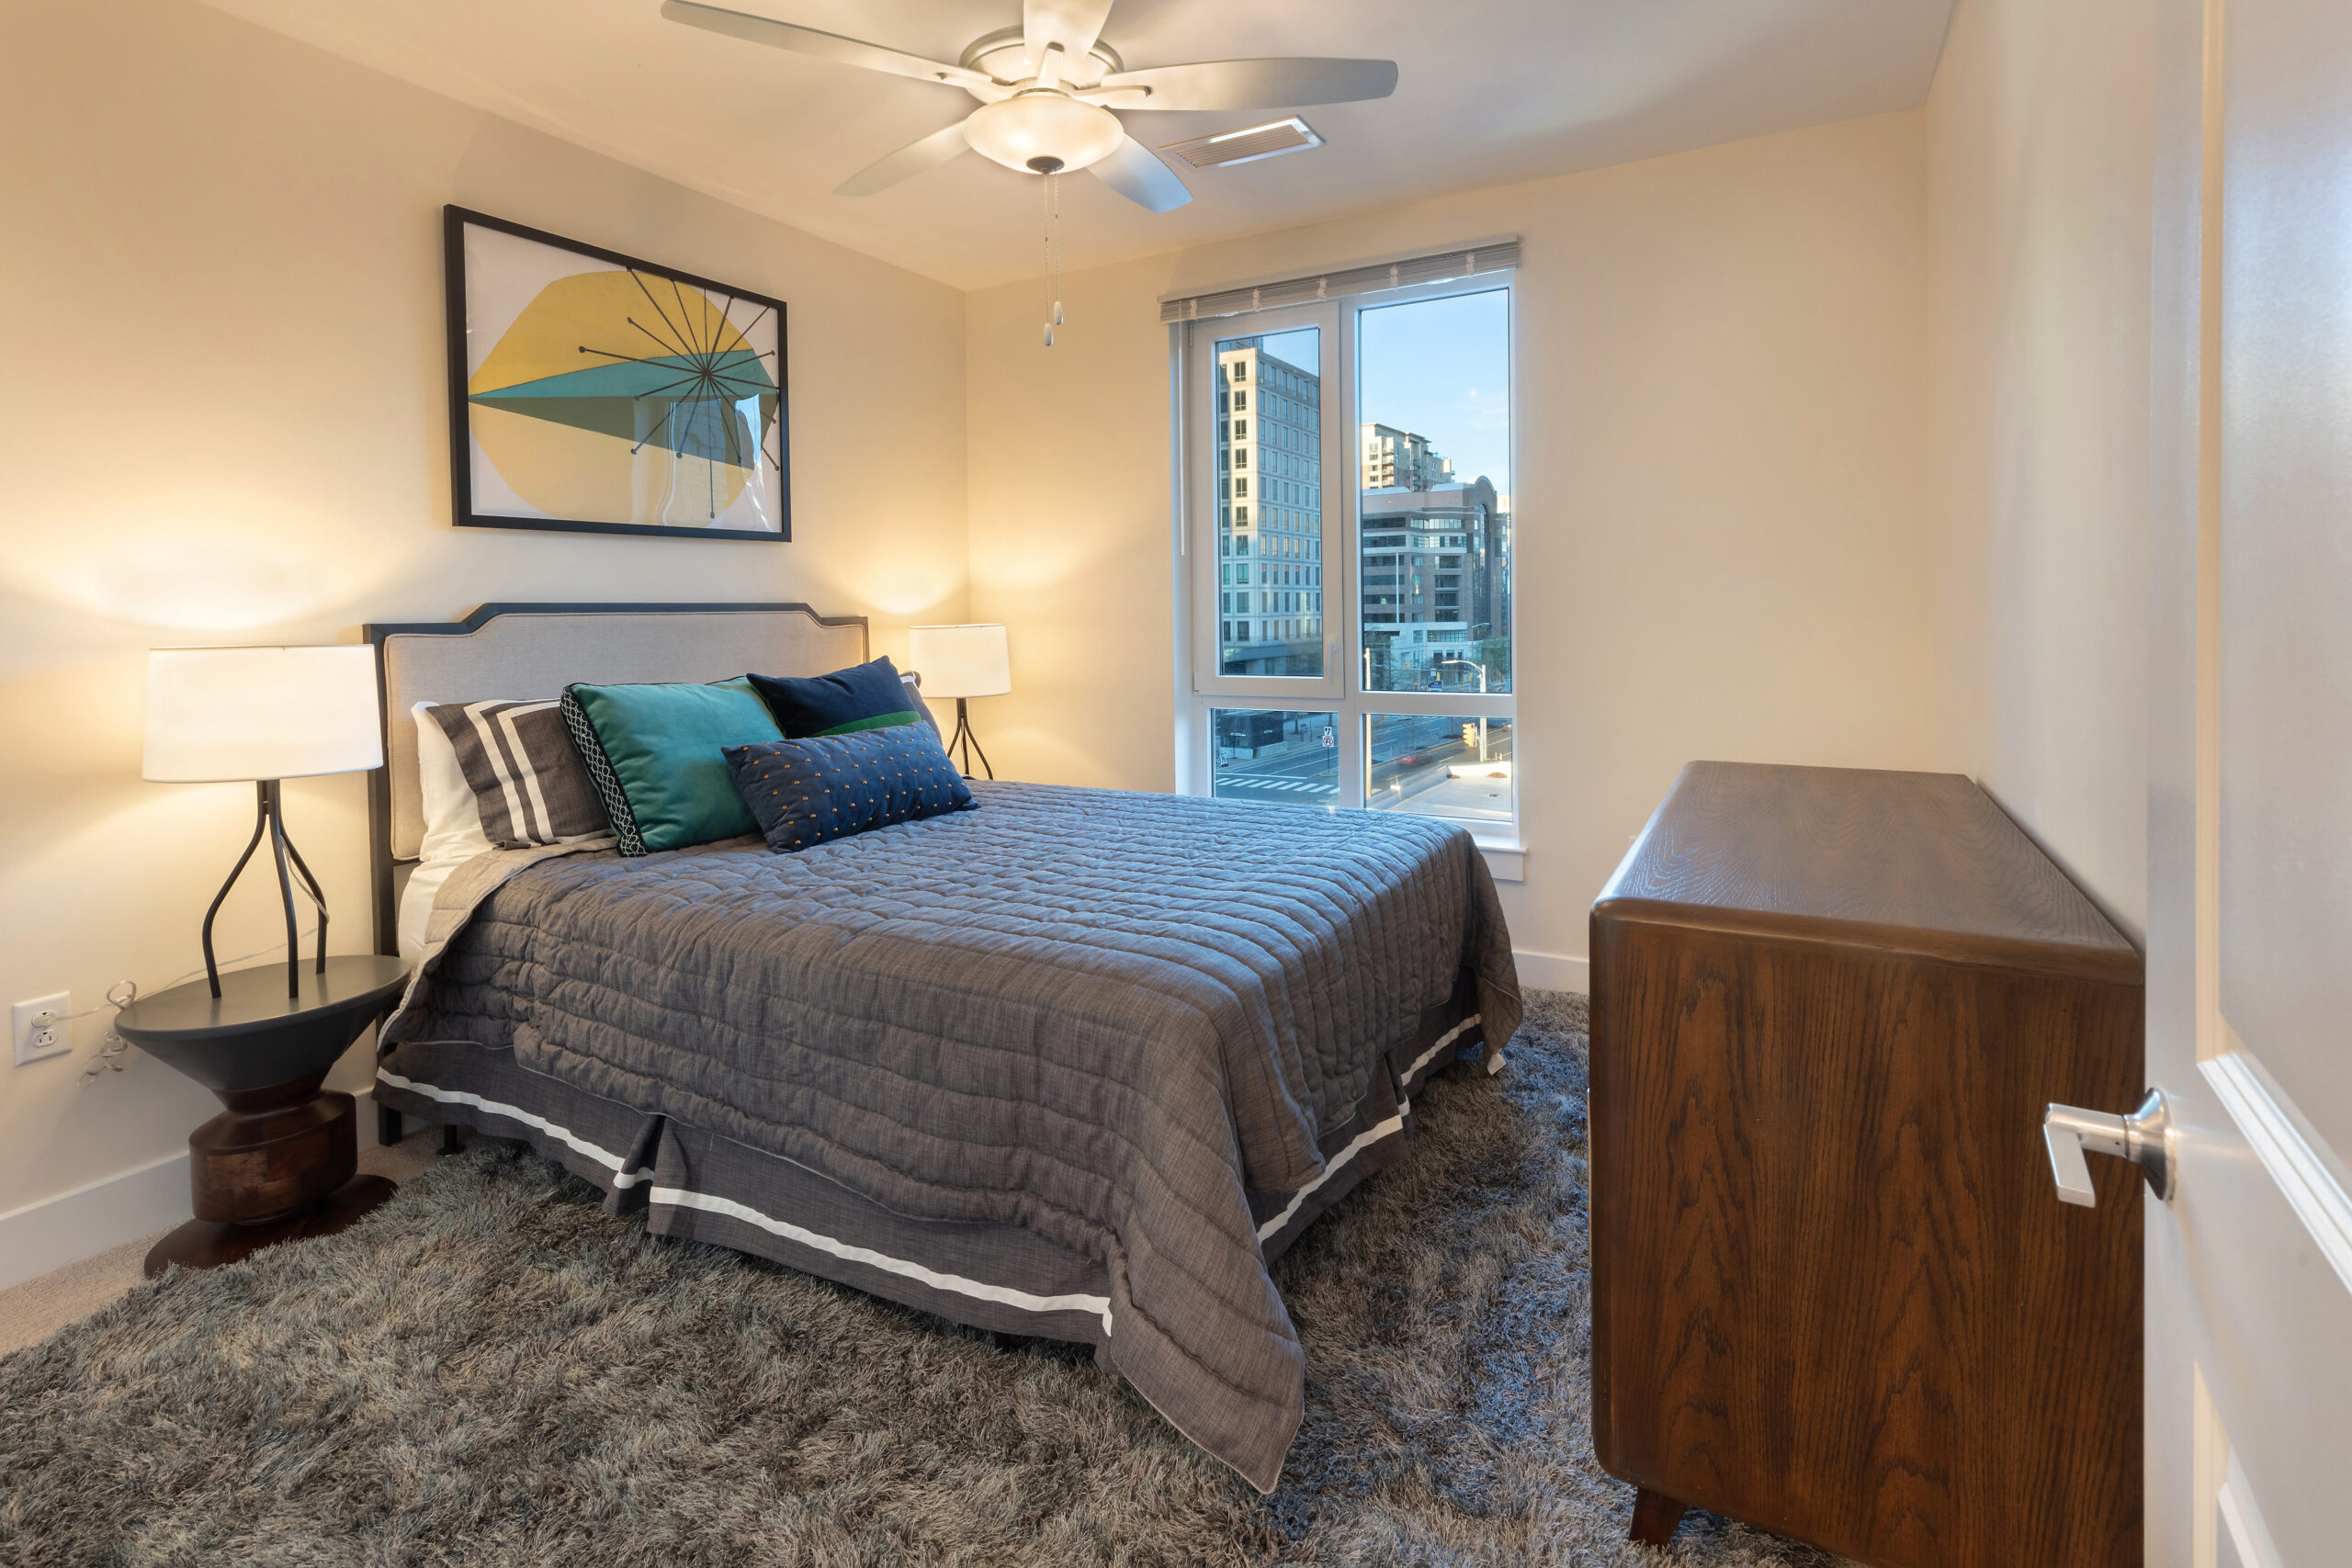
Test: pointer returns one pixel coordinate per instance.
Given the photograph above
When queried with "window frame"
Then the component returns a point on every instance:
(1205, 648)
(1203, 689)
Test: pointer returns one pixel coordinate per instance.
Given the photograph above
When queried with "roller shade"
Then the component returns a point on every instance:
(1437, 266)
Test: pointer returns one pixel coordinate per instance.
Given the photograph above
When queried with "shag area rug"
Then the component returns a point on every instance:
(489, 1370)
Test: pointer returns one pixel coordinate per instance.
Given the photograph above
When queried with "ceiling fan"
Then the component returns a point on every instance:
(1047, 89)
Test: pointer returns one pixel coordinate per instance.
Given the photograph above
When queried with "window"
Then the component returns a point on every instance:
(1270, 643)
(1274, 754)
(1375, 670)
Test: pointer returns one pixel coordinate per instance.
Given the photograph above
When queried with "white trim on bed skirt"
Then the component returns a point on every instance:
(605, 1157)
(1448, 1038)
(1337, 1163)
(682, 1198)
(1371, 1134)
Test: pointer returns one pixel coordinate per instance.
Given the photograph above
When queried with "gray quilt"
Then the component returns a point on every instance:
(1101, 1016)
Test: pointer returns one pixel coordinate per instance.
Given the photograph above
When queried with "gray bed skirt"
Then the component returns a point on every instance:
(697, 1184)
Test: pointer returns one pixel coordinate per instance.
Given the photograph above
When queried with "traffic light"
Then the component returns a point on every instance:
(1470, 733)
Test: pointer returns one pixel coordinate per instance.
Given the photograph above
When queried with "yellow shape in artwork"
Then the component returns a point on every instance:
(569, 472)
(595, 309)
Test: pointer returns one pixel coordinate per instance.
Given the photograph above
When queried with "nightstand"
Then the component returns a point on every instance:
(277, 1164)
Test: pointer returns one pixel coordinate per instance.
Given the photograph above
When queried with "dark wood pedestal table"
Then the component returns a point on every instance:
(278, 1163)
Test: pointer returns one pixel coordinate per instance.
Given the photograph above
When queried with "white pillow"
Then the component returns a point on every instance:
(453, 829)
(416, 904)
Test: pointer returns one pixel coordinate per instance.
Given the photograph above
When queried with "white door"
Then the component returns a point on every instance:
(2249, 1269)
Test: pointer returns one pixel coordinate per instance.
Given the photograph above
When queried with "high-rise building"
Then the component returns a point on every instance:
(1270, 512)
(1433, 578)
(1398, 459)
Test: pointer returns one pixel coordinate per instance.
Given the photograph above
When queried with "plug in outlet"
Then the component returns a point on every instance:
(40, 1028)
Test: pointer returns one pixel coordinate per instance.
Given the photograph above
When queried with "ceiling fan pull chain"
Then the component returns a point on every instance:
(1053, 251)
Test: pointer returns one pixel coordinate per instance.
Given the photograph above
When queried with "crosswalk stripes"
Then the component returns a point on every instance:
(1309, 787)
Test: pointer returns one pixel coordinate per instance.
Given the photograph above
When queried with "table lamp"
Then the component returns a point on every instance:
(960, 662)
(264, 713)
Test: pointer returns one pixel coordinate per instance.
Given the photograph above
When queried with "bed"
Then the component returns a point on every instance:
(1078, 1064)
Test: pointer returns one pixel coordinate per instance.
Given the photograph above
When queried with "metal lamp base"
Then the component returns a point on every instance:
(963, 739)
(270, 817)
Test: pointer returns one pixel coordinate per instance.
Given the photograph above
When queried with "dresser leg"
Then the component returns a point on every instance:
(1654, 1517)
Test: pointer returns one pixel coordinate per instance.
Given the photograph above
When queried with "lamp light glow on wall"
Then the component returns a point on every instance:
(264, 713)
(962, 662)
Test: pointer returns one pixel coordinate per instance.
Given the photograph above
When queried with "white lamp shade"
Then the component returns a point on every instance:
(961, 661)
(260, 713)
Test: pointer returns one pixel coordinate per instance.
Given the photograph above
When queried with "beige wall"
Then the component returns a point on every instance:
(224, 420)
(1725, 547)
(1070, 533)
(2041, 173)
(1832, 450)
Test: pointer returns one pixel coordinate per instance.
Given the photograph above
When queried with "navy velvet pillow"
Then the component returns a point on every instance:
(864, 696)
(828, 787)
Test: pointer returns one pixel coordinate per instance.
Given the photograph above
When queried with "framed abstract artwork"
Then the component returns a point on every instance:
(592, 392)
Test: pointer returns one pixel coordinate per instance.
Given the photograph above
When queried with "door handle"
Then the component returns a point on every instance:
(2143, 1137)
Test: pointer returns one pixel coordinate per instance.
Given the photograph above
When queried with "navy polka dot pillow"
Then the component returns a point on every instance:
(828, 786)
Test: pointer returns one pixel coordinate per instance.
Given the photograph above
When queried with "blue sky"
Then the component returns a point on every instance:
(1439, 367)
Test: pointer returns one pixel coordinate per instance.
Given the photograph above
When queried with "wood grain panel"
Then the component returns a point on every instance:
(1925, 860)
(1834, 1292)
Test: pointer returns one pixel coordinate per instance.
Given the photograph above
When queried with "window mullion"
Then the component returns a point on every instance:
(1346, 634)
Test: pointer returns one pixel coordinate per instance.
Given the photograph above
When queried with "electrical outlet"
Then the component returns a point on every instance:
(40, 1028)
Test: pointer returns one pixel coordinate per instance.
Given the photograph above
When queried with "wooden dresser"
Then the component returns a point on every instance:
(1834, 1293)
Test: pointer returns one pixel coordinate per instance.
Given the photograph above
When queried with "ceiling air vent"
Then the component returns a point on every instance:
(1247, 145)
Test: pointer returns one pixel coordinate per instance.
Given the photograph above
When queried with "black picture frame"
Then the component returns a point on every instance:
(463, 513)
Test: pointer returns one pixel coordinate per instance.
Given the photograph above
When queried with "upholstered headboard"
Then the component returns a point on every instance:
(534, 651)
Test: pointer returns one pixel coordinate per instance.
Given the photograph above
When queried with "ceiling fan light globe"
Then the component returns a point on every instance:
(1042, 124)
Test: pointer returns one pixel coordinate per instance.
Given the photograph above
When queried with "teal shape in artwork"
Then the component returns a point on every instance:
(638, 399)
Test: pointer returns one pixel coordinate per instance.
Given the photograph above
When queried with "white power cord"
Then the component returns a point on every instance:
(123, 993)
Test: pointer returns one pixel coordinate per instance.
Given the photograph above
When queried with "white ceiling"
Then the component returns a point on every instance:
(1489, 91)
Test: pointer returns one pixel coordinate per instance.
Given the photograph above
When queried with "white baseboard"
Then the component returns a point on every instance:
(98, 1216)
(1553, 972)
(42, 1237)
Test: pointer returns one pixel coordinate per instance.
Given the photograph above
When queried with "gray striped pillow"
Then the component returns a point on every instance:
(525, 774)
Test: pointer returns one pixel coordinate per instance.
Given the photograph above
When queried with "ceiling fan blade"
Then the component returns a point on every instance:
(1134, 172)
(1073, 24)
(908, 161)
(1252, 83)
(824, 46)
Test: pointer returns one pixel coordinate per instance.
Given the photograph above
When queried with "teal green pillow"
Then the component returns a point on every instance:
(655, 755)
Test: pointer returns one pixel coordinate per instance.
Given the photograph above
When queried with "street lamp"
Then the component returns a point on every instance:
(1474, 664)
